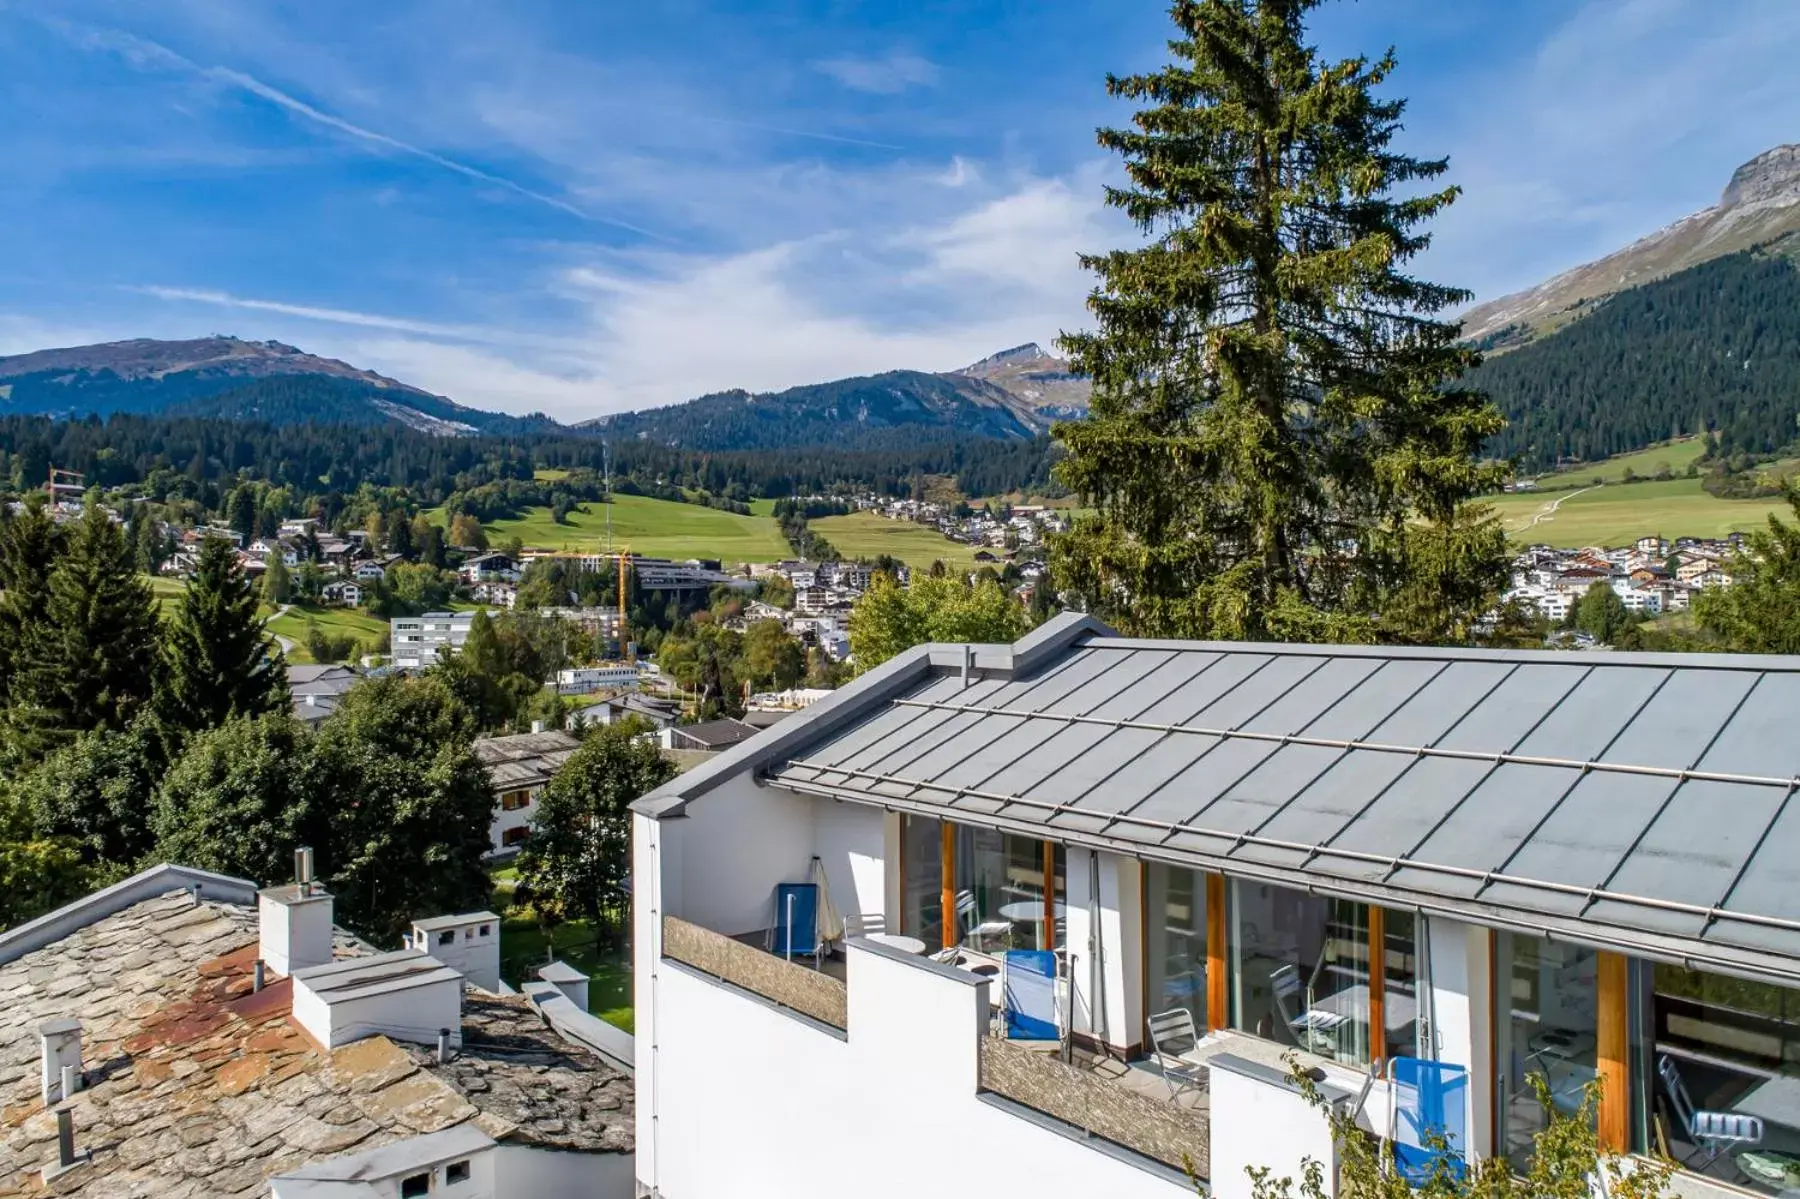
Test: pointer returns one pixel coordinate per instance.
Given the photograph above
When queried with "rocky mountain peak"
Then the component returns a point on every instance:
(1772, 175)
(1027, 353)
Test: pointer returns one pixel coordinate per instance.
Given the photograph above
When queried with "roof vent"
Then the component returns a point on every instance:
(405, 995)
(61, 1040)
(295, 921)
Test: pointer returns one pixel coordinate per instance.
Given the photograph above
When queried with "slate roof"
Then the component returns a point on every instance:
(525, 759)
(199, 1088)
(1638, 801)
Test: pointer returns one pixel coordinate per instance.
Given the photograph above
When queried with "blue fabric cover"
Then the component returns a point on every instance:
(801, 939)
(1030, 1001)
(1429, 1097)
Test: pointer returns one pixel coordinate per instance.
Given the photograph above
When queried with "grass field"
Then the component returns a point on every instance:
(524, 947)
(1676, 456)
(867, 535)
(166, 591)
(359, 624)
(1619, 513)
(655, 528)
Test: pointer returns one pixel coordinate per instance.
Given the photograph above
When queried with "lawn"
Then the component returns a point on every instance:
(652, 527)
(868, 535)
(1675, 456)
(524, 947)
(1618, 514)
(166, 591)
(359, 624)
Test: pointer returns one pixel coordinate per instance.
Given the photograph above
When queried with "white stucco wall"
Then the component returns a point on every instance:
(741, 839)
(1256, 1124)
(848, 839)
(749, 1101)
(521, 1171)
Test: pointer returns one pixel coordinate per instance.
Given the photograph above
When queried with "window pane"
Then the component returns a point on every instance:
(922, 889)
(1176, 920)
(999, 890)
(1546, 999)
(1726, 1045)
(1401, 992)
(1303, 971)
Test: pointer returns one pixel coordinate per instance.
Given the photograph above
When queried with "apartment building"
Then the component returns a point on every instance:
(418, 641)
(1490, 864)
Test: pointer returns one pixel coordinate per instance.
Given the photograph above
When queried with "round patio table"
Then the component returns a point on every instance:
(904, 944)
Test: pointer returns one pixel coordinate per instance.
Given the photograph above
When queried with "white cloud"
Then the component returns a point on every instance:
(658, 327)
(894, 72)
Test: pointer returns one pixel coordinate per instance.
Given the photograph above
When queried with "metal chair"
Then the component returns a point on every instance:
(1711, 1131)
(976, 930)
(1172, 1033)
(1314, 1031)
(1427, 1119)
(795, 932)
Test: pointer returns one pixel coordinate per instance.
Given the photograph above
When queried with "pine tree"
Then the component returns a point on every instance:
(28, 547)
(1277, 447)
(219, 659)
(91, 662)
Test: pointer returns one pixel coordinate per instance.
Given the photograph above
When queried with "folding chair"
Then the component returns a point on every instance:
(795, 932)
(1427, 1102)
(1028, 995)
(1713, 1132)
(1172, 1033)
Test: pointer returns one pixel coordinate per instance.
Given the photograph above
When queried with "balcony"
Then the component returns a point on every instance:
(1099, 1101)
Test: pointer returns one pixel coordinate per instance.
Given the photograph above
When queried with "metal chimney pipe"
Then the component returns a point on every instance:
(968, 664)
(65, 1137)
(256, 980)
(443, 1050)
(303, 869)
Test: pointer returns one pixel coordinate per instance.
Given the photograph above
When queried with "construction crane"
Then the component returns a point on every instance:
(64, 480)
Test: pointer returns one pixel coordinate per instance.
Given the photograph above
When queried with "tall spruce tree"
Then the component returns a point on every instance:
(91, 662)
(219, 659)
(1277, 447)
(28, 548)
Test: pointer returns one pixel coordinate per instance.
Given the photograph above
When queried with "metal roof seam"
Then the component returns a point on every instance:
(1571, 889)
(1467, 755)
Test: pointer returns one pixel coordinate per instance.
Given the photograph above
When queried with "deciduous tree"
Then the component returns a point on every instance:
(890, 619)
(579, 853)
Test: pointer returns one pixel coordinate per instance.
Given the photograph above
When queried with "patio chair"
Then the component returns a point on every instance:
(1028, 990)
(1427, 1119)
(1312, 1031)
(795, 932)
(975, 930)
(1172, 1033)
(1713, 1132)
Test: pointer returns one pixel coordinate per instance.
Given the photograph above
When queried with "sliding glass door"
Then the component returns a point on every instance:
(1175, 940)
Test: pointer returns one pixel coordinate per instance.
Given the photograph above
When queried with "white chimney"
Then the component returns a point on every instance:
(469, 944)
(295, 921)
(61, 1040)
(537, 726)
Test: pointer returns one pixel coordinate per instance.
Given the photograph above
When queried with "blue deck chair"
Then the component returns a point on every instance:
(1426, 1098)
(795, 932)
(1030, 995)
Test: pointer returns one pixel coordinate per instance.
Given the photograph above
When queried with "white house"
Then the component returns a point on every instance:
(519, 768)
(342, 591)
(1490, 864)
(369, 572)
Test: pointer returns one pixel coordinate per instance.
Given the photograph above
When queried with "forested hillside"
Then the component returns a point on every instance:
(1715, 347)
(874, 412)
(192, 454)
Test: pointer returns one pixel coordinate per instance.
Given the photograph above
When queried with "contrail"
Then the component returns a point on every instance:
(142, 53)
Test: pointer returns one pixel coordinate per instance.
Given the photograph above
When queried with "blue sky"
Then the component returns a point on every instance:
(592, 205)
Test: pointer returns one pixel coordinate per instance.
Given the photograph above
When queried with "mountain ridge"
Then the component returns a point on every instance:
(1760, 204)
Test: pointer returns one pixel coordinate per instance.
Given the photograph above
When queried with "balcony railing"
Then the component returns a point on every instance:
(1176, 1136)
(804, 990)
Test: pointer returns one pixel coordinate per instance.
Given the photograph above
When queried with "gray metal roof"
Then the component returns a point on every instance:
(1634, 800)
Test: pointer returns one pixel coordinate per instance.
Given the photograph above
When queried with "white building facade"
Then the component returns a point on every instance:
(1481, 861)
